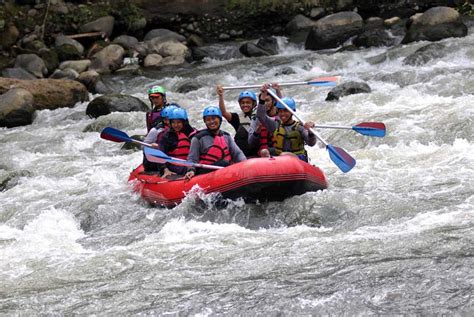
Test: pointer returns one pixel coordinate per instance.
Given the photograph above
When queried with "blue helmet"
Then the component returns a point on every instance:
(212, 111)
(167, 111)
(178, 113)
(248, 94)
(290, 102)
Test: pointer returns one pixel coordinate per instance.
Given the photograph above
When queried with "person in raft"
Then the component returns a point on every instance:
(154, 137)
(288, 134)
(176, 141)
(212, 146)
(157, 96)
(240, 121)
(259, 137)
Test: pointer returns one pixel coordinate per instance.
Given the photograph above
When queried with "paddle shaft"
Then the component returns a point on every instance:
(296, 83)
(274, 95)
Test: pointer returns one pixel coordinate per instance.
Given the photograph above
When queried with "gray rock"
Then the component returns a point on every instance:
(299, 27)
(268, 44)
(188, 86)
(138, 24)
(373, 38)
(163, 35)
(251, 50)
(79, 66)
(152, 60)
(50, 58)
(103, 24)
(16, 108)
(106, 104)
(10, 179)
(32, 63)
(425, 54)
(317, 13)
(108, 59)
(345, 89)
(18, 73)
(67, 73)
(9, 37)
(62, 40)
(126, 41)
(333, 30)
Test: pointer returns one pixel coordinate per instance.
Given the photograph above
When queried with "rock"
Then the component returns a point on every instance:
(172, 61)
(152, 60)
(79, 66)
(68, 52)
(268, 44)
(195, 40)
(9, 37)
(425, 54)
(374, 23)
(32, 63)
(138, 24)
(91, 79)
(67, 73)
(168, 48)
(163, 35)
(18, 73)
(49, 93)
(317, 13)
(345, 89)
(63, 40)
(34, 46)
(106, 104)
(251, 50)
(16, 108)
(298, 28)
(333, 30)
(9, 179)
(188, 86)
(373, 38)
(198, 53)
(103, 24)
(224, 37)
(126, 41)
(436, 24)
(50, 58)
(287, 70)
(388, 23)
(108, 59)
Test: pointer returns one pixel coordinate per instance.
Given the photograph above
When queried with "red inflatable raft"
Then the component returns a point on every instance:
(262, 179)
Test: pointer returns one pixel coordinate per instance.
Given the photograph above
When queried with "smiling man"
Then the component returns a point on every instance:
(213, 146)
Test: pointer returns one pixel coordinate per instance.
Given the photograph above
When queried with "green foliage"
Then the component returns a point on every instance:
(466, 9)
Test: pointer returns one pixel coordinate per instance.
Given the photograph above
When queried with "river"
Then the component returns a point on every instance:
(392, 236)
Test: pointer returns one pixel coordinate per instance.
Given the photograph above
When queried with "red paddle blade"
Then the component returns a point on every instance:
(370, 128)
(325, 81)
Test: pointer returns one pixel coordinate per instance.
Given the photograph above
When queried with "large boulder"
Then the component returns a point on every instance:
(164, 35)
(345, 89)
(18, 73)
(92, 80)
(436, 24)
(126, 41)
(298, 28)
(16, 108)
(64, 40)
(49, 93)
(167, 48)
(373, 37)
(106, 104)
(108, 60)
(333, 30)
(425, 54)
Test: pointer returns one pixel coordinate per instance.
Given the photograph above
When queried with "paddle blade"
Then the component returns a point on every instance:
(114, 135)
(341, 158)
(370, 128)
(325, 81)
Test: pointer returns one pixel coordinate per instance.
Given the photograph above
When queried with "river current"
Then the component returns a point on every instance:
(392, 236)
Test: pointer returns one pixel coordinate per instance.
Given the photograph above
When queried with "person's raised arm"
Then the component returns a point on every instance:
(220, 92)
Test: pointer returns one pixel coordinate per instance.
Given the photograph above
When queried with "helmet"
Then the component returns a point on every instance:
(165, 113)
(178, 113)
(248, 94)
(212, 111)
(156, 90)
(290, 102)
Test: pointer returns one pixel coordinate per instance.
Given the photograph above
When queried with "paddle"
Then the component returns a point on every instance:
(151, 154)
(320, 82)
(365, 128)
(115, 135)
(156, 156)
(339, 156)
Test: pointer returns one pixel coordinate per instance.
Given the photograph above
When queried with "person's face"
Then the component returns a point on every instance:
(246, 104)
(157, 100)
(284, 115)
(177, 125)
(268, 103)
(166, 121)
(212, 122)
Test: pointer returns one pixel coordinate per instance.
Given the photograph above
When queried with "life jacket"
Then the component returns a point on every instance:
(153, 117)
(161, 133)
(182, 148)
(295, 137)
(242, 134)
(267, 140)
(218, 151)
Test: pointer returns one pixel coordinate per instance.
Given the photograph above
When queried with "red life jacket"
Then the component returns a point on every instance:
(216, 152)
(266, 139)
(182, 148)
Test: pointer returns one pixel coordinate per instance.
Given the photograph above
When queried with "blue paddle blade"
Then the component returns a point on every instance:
(114, 135)
(341, 158)
(371, 129)
(322, 83)
(156, 153)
